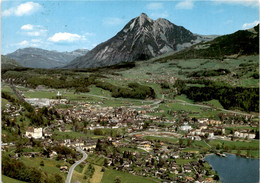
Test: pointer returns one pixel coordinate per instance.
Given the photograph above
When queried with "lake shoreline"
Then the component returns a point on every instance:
(232, 168)
(242, 156)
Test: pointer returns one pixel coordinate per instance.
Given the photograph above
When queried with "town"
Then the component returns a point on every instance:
(129, 138)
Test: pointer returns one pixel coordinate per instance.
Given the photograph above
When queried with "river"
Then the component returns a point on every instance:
(235, 169)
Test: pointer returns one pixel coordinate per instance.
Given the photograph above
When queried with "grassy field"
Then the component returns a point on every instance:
(6, 179)
(184, 98)
(4, 102)
(98, 175)
(40, 94)
(72, 135)
(79, 168)
(110, 175)
(96, 178)
(215, 103)
(183, 161)
(6, 88)
(95, 159)
(253, 144)
(251, 153)
(162, 139)
(132, 150)
(191, 150)
(194, 111)
(228, 129)
(79, 175)
(50, 166)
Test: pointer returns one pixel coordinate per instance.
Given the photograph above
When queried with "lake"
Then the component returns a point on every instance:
(235, 169)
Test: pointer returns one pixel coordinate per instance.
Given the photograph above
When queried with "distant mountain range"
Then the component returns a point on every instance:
(8, 63)
(40, 58)
(142, 38)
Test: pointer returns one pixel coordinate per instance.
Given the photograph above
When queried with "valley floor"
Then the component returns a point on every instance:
(164, 138)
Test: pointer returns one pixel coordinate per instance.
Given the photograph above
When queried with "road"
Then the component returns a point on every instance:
(206, 143)
(17, 93)
(76, 164)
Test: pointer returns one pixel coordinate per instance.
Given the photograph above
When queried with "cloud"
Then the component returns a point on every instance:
(33, 30)
(112, 21)
(250, 25)
(65, 37)
(27, 27)
(27, 8)
(228, 21)
(32, 43)
(154, 6)
(252, 3)
(23, 43)
(159, 15)
(35, 33)
(186, 5)
(36, 41)
(89, 34)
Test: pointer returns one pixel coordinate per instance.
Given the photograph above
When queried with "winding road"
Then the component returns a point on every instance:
(76, 164)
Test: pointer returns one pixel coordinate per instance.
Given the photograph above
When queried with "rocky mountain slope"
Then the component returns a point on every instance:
(40, 58)
(242, 42)
(142, 38)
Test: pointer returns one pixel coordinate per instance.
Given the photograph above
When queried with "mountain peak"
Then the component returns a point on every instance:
(143, 15)
(140, 39)
(143, 19)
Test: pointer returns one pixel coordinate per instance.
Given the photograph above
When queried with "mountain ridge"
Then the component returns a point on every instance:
(140, 39)
(41, 58)
(241, 42)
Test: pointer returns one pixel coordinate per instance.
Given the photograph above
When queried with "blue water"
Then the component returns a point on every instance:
(235, 169)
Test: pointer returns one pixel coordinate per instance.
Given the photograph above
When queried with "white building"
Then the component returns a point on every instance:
(185, 128)
(32, 132)
(40, 102)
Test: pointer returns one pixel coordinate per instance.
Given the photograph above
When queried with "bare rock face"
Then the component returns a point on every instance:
(141, 39)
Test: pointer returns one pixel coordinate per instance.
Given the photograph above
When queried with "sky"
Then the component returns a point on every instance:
(69, 25)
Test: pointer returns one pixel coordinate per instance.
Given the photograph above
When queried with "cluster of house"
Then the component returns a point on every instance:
(45, 102)
(213, 129)
(204, 130)
(244, 133)
(108, 117)
(143, 164)
(13, 111)
(39, 133)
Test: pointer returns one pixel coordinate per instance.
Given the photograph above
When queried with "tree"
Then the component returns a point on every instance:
(180, 142)
(216, 177)
(247, 153)
(161, 162)
(238, 151)
(98, 132)
(117, 180)
(42, 163)
(189, 142)
(206, 135)
(35, 175)
(99, 145)
(105, 162)
(56, 178)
